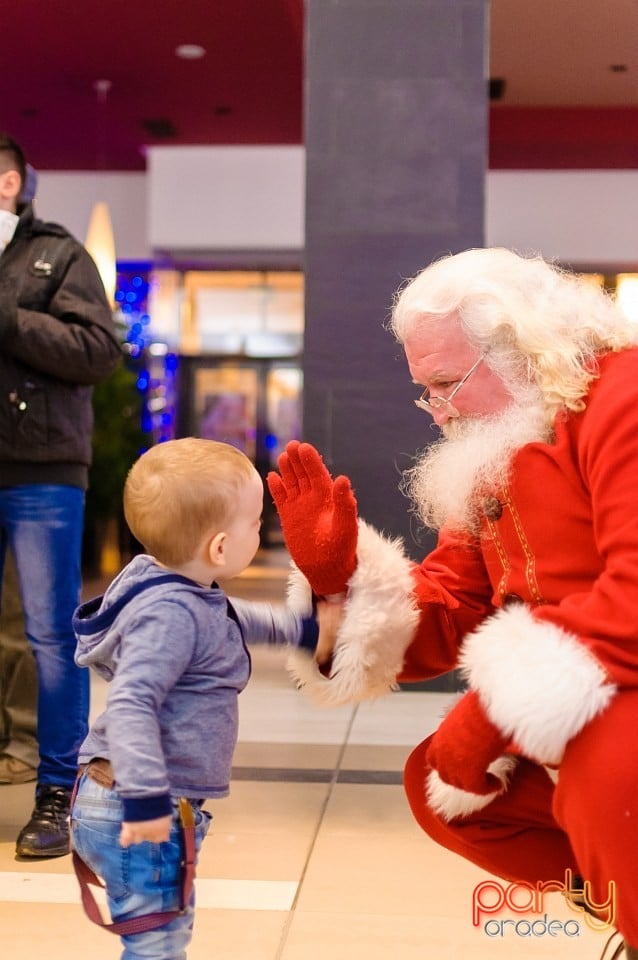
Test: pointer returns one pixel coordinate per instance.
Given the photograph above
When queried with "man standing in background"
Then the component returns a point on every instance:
(57, 339)
(18, 681)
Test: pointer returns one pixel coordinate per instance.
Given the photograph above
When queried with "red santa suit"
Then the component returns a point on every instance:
(540, 613)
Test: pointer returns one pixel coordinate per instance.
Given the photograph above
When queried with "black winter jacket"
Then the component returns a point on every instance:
(57, 339)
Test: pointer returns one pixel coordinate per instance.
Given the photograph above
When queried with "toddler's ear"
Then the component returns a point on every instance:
(216, 550)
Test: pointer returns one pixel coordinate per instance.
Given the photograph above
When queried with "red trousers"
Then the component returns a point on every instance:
(587, 822)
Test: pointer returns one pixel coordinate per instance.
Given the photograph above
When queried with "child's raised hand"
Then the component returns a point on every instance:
(330, 616)
(318, 518)
(155, 831)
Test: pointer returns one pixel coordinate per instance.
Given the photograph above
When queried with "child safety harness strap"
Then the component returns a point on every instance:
(148, 921)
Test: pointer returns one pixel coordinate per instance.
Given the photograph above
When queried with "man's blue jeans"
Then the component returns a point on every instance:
(143, 878)
(42, 523)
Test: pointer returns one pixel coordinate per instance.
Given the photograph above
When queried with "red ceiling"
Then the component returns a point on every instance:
(248, 88)
(555, 138)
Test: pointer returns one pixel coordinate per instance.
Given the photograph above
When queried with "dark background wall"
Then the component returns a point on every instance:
(396, 106)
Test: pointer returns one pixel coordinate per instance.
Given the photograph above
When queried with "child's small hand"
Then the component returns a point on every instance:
(329, 615)
(155, 831)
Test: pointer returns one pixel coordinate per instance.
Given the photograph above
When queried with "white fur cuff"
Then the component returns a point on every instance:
(538, 683)
(451, 802)
(380, 618)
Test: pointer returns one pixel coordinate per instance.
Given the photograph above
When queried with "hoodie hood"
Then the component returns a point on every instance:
(96, 622)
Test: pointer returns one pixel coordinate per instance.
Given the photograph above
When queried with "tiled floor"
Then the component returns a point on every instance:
(313, 856)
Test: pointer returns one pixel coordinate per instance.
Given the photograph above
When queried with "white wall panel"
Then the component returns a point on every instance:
(226, 198)
(68, 198)
(253, 198)
(576, 216)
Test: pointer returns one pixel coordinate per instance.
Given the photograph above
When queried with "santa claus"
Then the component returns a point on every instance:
(531, 373)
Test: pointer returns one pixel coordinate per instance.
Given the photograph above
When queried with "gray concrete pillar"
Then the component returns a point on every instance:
(396, 137)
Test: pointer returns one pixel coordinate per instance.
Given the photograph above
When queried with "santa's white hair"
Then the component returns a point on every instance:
(535, 322)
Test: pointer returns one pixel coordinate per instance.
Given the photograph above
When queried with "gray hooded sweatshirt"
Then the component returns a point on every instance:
(175, 655)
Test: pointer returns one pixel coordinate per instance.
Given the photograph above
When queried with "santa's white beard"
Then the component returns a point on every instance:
(452, 477)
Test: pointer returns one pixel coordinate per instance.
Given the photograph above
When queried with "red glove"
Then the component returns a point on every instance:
(460, 752)
(318, 518)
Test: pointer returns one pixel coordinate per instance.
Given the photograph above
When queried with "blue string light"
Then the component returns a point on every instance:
(155, 373)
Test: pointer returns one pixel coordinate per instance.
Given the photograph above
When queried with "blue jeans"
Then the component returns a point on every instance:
(42, 524)
(143, 878)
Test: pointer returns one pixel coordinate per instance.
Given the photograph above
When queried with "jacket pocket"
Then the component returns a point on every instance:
(28, 410)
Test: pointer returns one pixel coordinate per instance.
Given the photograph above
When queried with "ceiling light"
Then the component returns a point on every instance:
(101, 245)
(190, 51)
(99, 241)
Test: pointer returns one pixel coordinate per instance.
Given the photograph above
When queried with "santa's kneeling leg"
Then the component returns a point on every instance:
(536, 830)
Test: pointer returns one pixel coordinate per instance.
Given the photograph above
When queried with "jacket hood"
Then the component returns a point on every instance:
(29, 222)
(95, 622)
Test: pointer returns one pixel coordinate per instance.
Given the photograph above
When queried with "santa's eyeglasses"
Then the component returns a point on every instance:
(429, 403)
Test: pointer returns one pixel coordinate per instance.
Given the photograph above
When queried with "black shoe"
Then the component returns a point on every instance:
(47, 832)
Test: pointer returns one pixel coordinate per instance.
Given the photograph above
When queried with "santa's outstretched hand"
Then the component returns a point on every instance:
(318, 518)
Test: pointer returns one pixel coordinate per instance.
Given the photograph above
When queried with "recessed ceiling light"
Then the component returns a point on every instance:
(190, 51)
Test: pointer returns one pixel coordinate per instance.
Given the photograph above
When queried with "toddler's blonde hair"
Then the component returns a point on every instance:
(181, 490)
